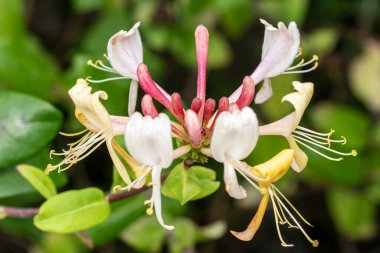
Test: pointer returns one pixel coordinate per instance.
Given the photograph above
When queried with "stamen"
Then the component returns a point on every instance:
(243, 167)
(273, 194)
(106, 80)
(283, 243)
(249, 180)
(327, 141)
(73, 134)
(77, 151)
(100, 65)
(137, 181)
(296, 69)
(301, 140)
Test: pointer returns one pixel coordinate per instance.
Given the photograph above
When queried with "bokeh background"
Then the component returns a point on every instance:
(44, 47)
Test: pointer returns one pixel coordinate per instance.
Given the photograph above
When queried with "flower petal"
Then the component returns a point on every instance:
(235, 135)
(89, 109)
(280, 47)
(156, 180)
(300, 158)
(299, 99)
(232, 185)
(149, 140)
(125, 52)
(132, 100)
(264, 93)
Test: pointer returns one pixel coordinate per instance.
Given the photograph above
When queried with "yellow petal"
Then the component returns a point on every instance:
(299, 99)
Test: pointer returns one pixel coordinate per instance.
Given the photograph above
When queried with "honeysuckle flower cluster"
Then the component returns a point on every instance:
(226, 131)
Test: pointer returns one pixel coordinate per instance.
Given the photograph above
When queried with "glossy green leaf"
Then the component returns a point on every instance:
(73, 211)
(189, 184)
(145, 234)
(346, 121)
(206, 180)
(179, 186)
(37, 178)
(25, 55)
(27, 125)
(183, 237)
(354, 215)
(13, 184)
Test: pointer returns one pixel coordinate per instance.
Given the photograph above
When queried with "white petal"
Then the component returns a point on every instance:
(282, 126)
(232, 185)
(264, 93)
(299, 99)
(149, 140)
(156, 180)
(280, 47)
(132, 100)
(125, 52)
(235, 135)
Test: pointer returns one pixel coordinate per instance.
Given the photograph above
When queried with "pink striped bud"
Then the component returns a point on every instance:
(209, 109)
(201, 44)
(179, 113)
(148, 107)
(193, 128)
(196, 104)
(150, 87)
(247, 94)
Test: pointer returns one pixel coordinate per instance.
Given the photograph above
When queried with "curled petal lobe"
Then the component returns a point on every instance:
(89, 107)
(299, 99)
(125, 52)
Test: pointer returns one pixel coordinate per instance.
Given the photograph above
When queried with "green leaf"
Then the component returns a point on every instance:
(25, 55)
(13, 184)
(183, 238)
(73, 211)
(206, 180)
(56, 243)
(27, 125)
(145, 234)
(179, 186)
(189, 184)
(354, 215)
(37, 178)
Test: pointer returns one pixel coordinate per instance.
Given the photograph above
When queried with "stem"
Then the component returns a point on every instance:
(26, 212)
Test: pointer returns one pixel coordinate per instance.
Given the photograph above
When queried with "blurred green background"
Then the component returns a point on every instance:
(44, 47)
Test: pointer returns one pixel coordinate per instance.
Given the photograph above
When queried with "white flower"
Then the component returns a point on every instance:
(149, 141)
(100, 129)
(290, 129)
(125, 53)
(234, 137)
(280, 48)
